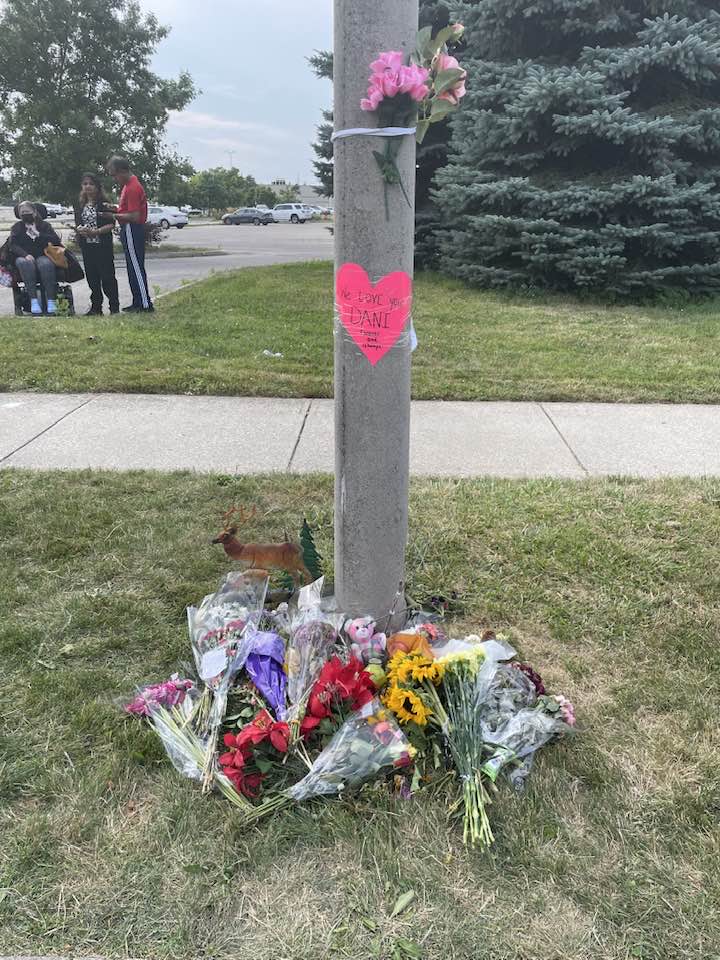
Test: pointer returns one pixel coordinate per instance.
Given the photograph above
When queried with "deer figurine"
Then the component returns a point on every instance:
(260, 556)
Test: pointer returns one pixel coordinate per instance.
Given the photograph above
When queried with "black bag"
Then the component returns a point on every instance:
(74, 271)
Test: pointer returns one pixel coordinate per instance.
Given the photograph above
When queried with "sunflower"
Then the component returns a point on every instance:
(427, 670)
(406, 705)
(394, 665)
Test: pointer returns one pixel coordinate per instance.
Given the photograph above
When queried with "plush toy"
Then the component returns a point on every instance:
(365, 643)
(416, 640)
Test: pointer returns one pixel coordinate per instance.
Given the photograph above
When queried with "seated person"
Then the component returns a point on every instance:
(28, 240)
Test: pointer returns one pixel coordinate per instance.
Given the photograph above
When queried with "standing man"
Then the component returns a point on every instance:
(131, 214)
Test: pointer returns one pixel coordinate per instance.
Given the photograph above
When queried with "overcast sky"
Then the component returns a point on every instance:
(259, 97)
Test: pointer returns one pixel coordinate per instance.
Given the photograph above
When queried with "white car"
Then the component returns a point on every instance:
(167, 217)
(291, 213)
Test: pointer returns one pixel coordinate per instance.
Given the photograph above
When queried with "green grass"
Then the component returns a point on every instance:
(474, 345)
(609, 587)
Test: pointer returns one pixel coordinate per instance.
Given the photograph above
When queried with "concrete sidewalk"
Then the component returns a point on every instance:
(254, 435)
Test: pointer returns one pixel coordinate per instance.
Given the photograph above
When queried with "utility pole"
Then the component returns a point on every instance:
(372, 401)
(231, 154)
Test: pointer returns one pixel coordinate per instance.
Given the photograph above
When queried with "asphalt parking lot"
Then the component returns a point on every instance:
(238, 246)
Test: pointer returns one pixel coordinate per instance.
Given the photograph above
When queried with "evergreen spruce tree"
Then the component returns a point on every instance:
(586, 155)
(311, 557)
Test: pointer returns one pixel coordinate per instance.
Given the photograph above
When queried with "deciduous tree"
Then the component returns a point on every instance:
(75, 87)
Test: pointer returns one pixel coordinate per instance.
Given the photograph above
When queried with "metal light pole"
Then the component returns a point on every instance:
(372, 403)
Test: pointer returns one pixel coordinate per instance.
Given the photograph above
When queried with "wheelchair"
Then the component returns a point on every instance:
(21, 297)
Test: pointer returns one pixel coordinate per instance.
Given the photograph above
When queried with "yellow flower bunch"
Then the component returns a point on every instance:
(406, 705)
(470, 658)
(411, 693)
(418, 667)
(393, 665)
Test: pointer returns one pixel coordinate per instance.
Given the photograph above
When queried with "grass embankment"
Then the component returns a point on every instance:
(610, 588)
(210, 338)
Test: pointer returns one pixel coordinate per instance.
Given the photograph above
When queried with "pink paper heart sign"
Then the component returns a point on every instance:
(374, 314)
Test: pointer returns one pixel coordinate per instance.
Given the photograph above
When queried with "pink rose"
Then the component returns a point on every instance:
(443, 61)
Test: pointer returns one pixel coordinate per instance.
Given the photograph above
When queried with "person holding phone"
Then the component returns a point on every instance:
(131, 213)
(94, 230)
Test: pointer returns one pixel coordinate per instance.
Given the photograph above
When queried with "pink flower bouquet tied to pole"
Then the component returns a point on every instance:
(409, 97)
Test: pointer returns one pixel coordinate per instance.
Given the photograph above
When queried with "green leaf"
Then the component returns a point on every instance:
(403, 902)
(263, 765)
(369, 924)
(408, 949)
(444, 35)
(447, 79)
(423, 39)
(422, 129)
(440, 110)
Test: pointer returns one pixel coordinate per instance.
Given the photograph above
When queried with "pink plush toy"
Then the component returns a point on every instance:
(365, 644)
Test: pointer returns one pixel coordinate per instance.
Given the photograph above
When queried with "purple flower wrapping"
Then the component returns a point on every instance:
(266, 668)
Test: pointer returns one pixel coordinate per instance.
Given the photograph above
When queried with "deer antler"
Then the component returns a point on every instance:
(237, 515)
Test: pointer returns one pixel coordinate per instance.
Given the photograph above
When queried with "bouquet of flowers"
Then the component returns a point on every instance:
(340, 689)
(464, 740)
(186, 750)
(251, 754)
(221, 631)
(265, 665)
(523, 733)
(422, 92)
(367, 745)
(171, 693)
(313, 637)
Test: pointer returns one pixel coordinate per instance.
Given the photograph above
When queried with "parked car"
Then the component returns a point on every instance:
(292, 213)
(249, 215)
(167, 217)
(191, 211)
(56, 210)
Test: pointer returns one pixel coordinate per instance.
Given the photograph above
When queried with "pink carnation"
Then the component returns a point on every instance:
(171, 693)
(567, 711)
(390, 78)
(443, 61)
(392, 60)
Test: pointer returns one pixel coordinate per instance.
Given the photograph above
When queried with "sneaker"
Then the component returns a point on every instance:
(35, 308)
(92, 312)
(150, 309)
(51, 307)
(131, 309)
